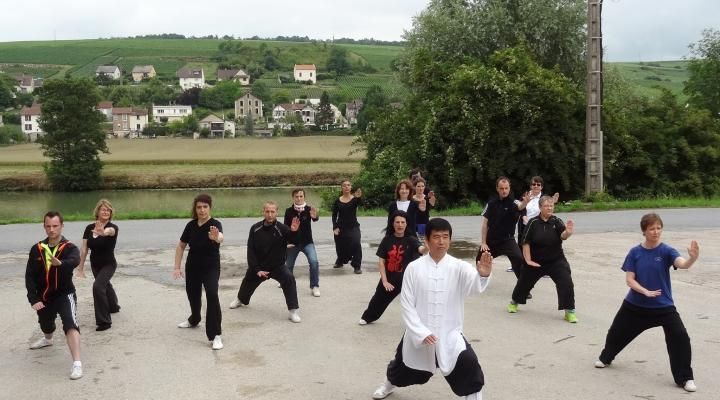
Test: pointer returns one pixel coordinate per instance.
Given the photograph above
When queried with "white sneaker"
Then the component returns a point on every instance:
(383, 391)
(217, 343)
(294, 316)
(600, 364)
(76, 372)
(362, 322)
(186, 324)
(509, 269)
(690, 386)
(316, 291)
(237, 303)
(40, 343)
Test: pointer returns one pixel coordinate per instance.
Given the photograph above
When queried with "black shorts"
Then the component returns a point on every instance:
(66, 307)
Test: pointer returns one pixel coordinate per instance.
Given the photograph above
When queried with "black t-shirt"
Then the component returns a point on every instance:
(544, 239)
(304, 234)
(502, 215)
(398, 252)
(102, 248)
(344, 215)
(197, 238)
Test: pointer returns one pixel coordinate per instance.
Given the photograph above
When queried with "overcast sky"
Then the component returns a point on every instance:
(634, 30)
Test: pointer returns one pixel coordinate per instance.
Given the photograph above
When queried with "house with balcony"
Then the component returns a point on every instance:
(110, 71)
(164, 114)
(217, 126)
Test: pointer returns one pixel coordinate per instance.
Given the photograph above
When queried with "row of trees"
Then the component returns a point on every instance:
(491, 97)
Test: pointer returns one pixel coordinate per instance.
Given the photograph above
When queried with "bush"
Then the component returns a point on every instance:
(599, 197)
(326, 75)
(11, 118)
(11, 134)
(653, 78)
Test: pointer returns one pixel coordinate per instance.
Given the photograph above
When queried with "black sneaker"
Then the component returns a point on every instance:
(358, 270)
(103, 327)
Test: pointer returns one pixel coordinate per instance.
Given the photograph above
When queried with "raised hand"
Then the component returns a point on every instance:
(358, 192)
(570, 226)
(313, 213)
(556, 197)
(214, 233)
(694, 250)
(295, 224)
(99, 229)
(484, 264)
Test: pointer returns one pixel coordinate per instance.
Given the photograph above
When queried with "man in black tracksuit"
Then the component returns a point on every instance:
(498, 226)
(50, 290)
(266, 251)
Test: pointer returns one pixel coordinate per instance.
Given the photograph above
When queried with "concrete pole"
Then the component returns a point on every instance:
(593, 128)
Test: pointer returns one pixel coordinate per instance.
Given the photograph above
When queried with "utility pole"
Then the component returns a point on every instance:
(593, 128)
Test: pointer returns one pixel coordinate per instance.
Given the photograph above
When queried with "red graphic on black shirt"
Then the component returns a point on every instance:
(395, 258)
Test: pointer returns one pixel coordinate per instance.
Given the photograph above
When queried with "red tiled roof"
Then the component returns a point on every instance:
(305, 66)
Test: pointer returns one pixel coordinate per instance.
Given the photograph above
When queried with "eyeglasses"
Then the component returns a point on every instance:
(536, 184)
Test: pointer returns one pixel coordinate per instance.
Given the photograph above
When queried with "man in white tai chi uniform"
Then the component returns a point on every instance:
(432, 300)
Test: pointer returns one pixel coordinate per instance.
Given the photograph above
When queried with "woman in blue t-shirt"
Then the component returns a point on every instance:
(649, 302)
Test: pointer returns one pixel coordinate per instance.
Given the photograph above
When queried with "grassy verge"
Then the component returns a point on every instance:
(473, 209)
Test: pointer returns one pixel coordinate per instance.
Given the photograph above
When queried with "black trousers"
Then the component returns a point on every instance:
(382, 298)
(560, 273)
(509, 248)
(197, 277)
(66, 307)
(632, 320)
(105, 299)
(348, 247)
(467, 377)
(281, 274)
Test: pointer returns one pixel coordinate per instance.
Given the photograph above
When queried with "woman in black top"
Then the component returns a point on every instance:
(346, 228)
(422, 217)
(100, 237)
(397, 249)
(404, 202)
(202, 268)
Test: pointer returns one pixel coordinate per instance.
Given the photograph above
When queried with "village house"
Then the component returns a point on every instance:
(281, 111)
(191, 78)
(29, 122)
(305, 72)
(110, 71)
(236, 75)
(163, 114)
(352, 110)
(129, 122)
(140, 72)
(106, 107)
(249, 105)
(27, 84)
(218, 126)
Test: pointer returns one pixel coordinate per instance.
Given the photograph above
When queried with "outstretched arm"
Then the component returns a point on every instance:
(693, 253)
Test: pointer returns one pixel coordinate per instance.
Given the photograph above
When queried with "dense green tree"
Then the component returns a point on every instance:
(74, 137)
(374, 103)
(222, 95)
(450, 33)
(6, 94)
(190, 97)
(337, 61)
(703, 84)
(324, 114)
(507, 117)
(280, 97)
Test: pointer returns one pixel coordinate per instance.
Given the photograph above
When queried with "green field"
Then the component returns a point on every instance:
(646, 77)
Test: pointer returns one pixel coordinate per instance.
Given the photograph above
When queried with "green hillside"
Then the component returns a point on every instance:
(646, 77)
(49, 59)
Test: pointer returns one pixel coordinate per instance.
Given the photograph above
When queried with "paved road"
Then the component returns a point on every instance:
(155, 234)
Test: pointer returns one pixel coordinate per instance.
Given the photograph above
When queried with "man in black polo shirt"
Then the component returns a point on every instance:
(266, 247)
(498, 226)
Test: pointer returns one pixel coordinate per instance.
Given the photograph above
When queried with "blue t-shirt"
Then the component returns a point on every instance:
(652, 271)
